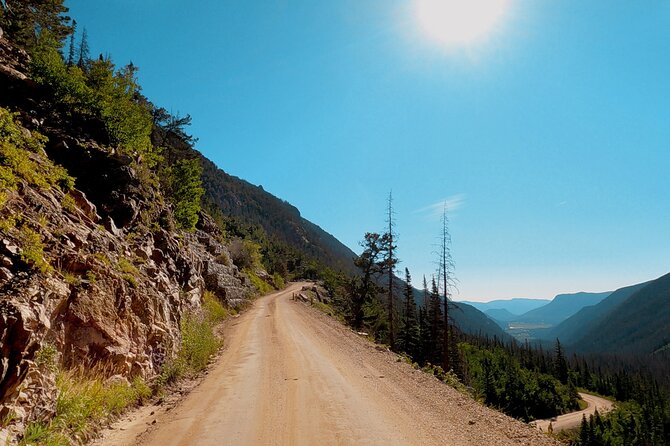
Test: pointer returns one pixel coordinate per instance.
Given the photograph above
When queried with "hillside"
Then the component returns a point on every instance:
(574, 327)
(472, 321)
(253, 205)
(638, 325)
(500, 315)
(561, 307)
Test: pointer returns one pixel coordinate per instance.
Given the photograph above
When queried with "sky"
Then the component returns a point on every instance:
(547, 133)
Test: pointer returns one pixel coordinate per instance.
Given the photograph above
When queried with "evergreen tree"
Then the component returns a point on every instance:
(560, 364)
(186, 192)
(435, 325)
(71, 47)
(409, 332)
(584, 438)
(25, 21)
(84, 52)
(363, 289)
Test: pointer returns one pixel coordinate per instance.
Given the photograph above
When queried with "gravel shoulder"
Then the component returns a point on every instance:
(290, 375)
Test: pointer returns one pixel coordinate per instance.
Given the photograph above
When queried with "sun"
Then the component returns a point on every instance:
(456, 23)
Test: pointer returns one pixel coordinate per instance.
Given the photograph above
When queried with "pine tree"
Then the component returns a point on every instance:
(25, 21)
(71, 49)
(364, 288)
(409, 331)
(560, 364)
(84, 52)
(435, 325)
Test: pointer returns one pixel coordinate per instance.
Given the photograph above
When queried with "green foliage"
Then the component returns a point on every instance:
(213, 308)
(26, 21)
(126, 266)
(84, 400)
(278, 281)
(522, 393)
(262, 286)
(46, 358)
(186, 191)
(68, 203)
(199, 341)
(32, 249)
(20, 158)
(98, 90)
(245, 254)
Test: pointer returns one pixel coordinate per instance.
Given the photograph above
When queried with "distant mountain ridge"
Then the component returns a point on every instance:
(573, 327)
(561, 307)
(516, 306)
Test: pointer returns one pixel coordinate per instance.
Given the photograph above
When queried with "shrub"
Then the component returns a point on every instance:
(32, 249)
(185, 191)
(20, 159)
(278, 281)
(262, 286)
(84, 400)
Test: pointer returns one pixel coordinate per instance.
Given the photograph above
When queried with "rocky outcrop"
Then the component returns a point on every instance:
(110, 293)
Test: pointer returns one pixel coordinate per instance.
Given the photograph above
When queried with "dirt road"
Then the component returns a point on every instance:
(290, 375)
(573, 419)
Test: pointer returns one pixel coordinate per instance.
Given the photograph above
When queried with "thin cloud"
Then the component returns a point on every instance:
(451, 204)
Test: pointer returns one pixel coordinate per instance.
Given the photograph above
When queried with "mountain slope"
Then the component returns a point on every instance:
(470, 320)
(639, 325)
(238, 198)
(516, 306)
(500, 315)
(561, 307)
(575, 326)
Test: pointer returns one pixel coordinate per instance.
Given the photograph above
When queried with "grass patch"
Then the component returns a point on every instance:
(69, 204)
(126, 266)
(324, 307)
(84, 400)
(198, 341)
(261, 285)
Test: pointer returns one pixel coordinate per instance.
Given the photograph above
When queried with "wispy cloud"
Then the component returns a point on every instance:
(451, 204)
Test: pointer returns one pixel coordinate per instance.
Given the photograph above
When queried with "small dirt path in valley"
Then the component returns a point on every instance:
(573, 419)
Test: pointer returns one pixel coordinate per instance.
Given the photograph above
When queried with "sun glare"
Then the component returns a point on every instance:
(455, 23)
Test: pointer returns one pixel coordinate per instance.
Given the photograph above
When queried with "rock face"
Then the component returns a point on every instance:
(112, 293)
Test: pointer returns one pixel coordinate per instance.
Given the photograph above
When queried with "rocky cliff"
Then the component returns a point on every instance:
(87, 274)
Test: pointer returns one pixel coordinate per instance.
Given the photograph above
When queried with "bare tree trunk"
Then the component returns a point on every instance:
(390, 273)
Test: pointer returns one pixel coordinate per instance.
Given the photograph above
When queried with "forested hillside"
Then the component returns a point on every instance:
(637, 326)
(570, 330)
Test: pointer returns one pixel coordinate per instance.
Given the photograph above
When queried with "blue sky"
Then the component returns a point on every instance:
(550, 137)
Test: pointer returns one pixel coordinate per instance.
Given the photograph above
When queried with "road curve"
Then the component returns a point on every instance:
(289, 375)
(573, 419)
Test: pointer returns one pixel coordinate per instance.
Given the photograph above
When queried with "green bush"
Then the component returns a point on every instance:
(102, 92)
(186, 191)
(32, 249)
(262, 286)
(20, 158)
(198, 341)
